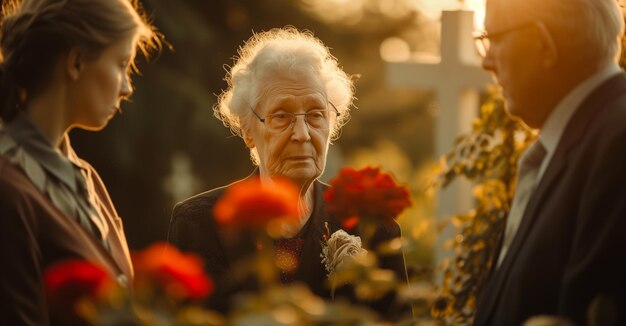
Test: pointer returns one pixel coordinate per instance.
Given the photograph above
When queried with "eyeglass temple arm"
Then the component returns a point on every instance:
(257, 115)
(334, 107)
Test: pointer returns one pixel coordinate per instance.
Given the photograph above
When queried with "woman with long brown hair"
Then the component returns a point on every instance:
(64, 64)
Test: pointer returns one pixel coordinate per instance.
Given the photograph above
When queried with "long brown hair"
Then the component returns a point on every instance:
(35, 33)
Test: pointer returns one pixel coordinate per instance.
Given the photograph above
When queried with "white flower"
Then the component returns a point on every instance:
(339, 247)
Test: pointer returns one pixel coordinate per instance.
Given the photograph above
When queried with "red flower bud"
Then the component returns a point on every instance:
(253, 204)
(365, 194)
(179, 275)
(71, 281)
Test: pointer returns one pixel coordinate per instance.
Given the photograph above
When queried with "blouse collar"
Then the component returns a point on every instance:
(60, 162)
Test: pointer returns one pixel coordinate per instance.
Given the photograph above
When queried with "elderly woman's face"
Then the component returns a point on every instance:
(299, 151)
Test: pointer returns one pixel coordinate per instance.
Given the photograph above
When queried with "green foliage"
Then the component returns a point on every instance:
(488, 157)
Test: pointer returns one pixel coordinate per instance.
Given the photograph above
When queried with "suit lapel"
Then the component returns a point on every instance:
(310, 269)
(117, 256)
(500, 274)
(118, 248)
(239, 244)
(575, 130)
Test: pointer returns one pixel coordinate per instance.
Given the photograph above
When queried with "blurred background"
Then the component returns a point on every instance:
(167, 145)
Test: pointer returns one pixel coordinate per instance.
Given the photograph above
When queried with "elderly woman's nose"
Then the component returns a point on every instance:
(300, 130)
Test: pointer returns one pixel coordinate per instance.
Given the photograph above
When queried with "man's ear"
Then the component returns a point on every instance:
(74, 63)
(550, 51)
(247, 138)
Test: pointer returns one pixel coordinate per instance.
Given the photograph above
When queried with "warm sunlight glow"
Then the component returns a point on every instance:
(395, 49)
(433, 8)
(478, 6)
(349, 12)
(353, 12)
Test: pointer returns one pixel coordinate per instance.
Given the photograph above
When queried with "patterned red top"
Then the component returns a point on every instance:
(288, 253)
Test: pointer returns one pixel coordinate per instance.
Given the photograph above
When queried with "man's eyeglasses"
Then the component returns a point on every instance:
(483, 39)
(316, 119)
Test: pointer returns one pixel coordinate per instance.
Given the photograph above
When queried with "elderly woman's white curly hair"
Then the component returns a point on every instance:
(281, 51)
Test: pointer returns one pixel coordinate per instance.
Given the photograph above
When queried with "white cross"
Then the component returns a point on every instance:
(457, 80)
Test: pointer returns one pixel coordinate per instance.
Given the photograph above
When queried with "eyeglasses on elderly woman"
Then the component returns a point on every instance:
(316, 119)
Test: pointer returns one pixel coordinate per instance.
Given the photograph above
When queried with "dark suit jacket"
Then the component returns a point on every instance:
(571, 244)
(34, 235)
(194, 229)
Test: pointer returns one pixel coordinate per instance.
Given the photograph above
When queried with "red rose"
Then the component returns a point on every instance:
(253, 204)
(68, 282)
(365, 194)
(163, 267)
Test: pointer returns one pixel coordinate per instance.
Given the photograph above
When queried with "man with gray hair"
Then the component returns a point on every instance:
(564, 245)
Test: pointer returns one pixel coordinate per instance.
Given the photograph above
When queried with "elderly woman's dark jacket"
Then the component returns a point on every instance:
(193, 229)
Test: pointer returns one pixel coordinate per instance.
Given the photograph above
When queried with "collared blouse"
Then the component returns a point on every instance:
(59, 174)
(53, 207)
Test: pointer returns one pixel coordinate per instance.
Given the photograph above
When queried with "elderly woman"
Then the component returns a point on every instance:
(287, 98)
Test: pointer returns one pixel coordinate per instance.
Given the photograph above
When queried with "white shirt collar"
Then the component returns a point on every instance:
(553, 128)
